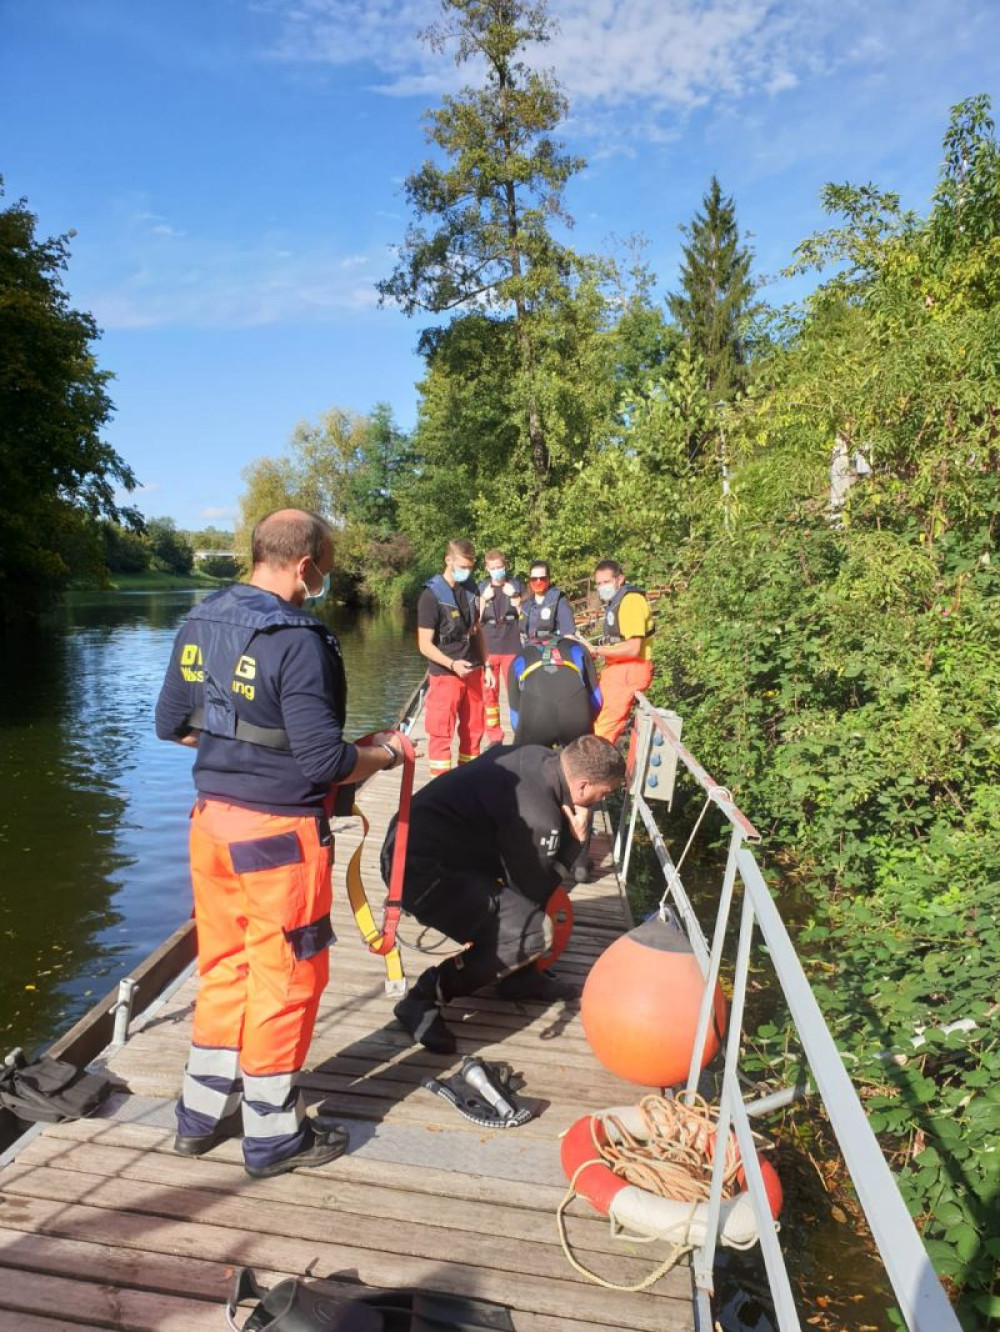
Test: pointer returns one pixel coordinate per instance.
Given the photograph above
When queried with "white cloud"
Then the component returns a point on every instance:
(210, 284)
(667, 57)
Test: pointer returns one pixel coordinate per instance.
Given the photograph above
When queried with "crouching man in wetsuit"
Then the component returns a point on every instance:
(488, 845)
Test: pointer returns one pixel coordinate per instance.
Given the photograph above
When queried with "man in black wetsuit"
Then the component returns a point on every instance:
(554, 698)
(553, 692)
(488, 846)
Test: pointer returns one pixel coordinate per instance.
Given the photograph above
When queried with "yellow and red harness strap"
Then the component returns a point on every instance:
(383, 941)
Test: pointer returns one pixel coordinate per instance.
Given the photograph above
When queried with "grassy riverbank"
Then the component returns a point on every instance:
(153, 580)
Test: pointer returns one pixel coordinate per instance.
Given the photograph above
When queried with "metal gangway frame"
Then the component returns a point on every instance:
(919, 1294)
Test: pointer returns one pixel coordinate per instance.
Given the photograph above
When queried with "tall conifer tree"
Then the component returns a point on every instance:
(716, 294)
(489, 207)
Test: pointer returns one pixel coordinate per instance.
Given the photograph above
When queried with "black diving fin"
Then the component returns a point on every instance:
(296, 1306)
(484, 1093)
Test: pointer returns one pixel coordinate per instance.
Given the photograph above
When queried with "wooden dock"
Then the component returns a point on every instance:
(102, 1225)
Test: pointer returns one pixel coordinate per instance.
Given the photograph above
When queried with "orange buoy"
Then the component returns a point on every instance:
(641, 1002)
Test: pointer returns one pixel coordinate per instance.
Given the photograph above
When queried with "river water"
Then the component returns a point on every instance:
(94, 809)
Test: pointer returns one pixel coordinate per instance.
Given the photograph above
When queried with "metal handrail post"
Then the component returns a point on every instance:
(714, 964)
(675, 888)
(638, 779)
(919, 1293)
(123, 1010)
(767, 1231)
(705, 1257)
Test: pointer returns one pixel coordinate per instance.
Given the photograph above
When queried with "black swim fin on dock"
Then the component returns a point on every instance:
(298, 1306)
(484, 1093)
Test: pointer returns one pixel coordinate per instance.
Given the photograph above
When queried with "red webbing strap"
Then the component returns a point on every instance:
(384, 942)
(394, 901)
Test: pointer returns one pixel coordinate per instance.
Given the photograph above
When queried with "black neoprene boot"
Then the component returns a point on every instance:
(420, 1013)
(530, 983)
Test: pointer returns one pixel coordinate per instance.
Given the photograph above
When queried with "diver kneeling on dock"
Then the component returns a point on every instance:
(488, 846)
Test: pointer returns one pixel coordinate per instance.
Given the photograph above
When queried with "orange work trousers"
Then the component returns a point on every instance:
(451, 701)
(620, 681)
(262, 898)
(491, 696)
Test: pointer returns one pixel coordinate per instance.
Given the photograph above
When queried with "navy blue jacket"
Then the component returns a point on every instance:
(283, 673)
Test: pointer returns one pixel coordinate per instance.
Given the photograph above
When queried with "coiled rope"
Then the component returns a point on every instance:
(673, 1159)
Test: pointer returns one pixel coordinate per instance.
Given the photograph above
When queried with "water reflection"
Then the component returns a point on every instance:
(93, 828)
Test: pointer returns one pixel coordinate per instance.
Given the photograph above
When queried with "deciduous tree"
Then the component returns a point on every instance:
(55, 467)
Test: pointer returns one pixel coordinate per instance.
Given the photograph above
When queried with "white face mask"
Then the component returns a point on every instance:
(606, 591)
(313, 598)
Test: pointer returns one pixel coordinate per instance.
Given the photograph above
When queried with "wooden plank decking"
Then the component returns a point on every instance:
(102, 1225)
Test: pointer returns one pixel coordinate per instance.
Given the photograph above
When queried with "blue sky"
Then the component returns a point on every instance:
(233, 170)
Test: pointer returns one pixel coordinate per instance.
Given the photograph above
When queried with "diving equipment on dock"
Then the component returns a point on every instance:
(484, 1093)
(297, 1306)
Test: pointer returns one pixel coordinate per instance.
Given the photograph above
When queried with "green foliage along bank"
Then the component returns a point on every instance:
(57, 475)
(835, 652)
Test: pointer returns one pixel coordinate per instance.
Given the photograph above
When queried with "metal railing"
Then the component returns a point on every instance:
(921, 1298)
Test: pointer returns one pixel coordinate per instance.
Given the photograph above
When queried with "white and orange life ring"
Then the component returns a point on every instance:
(641, 1213)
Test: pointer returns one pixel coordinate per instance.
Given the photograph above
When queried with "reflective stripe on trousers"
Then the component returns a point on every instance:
(491, 697)
(453, 701)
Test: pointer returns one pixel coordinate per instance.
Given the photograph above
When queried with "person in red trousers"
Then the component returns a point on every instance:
(450, 637)
(500, 598)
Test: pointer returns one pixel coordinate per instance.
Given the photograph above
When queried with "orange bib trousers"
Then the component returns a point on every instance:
(620, 681)
(262, 898)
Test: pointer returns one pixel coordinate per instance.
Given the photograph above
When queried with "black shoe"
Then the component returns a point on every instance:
(530, 983)
(582, 871)
(422, 1019)
(197, 1144)
(325, 1143)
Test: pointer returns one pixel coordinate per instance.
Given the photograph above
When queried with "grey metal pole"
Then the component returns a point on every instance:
(714, 963)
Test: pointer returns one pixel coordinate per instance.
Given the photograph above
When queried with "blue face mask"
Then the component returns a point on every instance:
(498, 575)
(314, 598)
(460, 575)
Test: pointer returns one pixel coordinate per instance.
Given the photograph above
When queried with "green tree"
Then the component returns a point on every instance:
(55, 469)
(716, 294)
(271, 483)
(125, 551)
(492, 205)
(211, 538)
(172, 551)
(384, 458)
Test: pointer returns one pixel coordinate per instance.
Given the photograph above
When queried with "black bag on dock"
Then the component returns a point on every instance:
(50, 1090)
